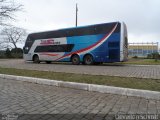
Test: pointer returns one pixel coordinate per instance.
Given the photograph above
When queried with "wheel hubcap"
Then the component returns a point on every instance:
(75, 60)
(88, 60)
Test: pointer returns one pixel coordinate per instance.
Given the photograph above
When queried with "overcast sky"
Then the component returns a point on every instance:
(142, 17)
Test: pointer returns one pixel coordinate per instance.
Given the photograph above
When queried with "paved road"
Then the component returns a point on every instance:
(68, 104)
(121, 70)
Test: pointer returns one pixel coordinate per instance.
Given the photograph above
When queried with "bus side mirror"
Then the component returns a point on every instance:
(25, 49)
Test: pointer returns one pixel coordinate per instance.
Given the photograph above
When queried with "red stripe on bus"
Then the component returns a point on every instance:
(49, 54)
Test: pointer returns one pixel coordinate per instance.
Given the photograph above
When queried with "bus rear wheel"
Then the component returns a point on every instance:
(36, 59)
(88, 60)
(75, 60)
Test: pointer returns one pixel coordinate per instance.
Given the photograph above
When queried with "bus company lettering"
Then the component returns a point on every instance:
(49, 42)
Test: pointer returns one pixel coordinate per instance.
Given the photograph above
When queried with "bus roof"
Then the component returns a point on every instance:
(102, 28)
(73, 28)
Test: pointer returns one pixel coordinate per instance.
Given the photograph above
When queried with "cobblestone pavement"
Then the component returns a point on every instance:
(67, 104)
(142, 71)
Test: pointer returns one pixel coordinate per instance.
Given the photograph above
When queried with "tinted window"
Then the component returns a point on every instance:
(79, 31)
(28, 45)
(55, 48)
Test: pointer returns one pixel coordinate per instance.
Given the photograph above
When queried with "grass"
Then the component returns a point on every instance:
(135, 83)
(140, 61)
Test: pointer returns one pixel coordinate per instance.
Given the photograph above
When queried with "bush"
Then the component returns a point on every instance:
(13, 53)
(17, 50)
(135, 56)
(2, 54)
(155, 55)
(17, 53)
(8, 53)
(149, 56)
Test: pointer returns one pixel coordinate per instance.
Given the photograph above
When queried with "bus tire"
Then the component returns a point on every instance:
(88, 59)
(36, 59)
(75, 60)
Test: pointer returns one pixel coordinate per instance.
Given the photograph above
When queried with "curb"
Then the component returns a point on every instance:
(89, 87)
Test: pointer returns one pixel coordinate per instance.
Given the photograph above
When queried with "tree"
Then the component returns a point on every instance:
(7, 11)
(12, 36)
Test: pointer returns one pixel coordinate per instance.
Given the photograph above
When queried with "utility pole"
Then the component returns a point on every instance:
(76, 14)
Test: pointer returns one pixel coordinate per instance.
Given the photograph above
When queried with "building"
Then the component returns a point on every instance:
(142, 49)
